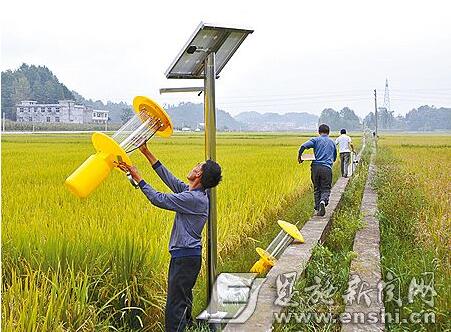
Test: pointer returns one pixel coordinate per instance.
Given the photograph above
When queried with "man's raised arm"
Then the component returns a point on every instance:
(173, 183)
(179, 202)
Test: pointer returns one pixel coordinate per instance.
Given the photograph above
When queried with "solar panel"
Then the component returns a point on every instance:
(207, 38)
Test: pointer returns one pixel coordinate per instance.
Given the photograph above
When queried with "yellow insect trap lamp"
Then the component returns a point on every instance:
(149, 119)
(269, 256)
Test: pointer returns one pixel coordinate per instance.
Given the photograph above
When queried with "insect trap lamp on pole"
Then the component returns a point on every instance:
(149, 119)
(204, 56)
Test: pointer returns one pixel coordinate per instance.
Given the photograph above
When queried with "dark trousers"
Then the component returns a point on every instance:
(322, 183)
(344, 161)
(183, 272)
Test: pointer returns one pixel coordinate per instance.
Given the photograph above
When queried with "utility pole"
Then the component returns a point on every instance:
(375, 109)
(3, 123)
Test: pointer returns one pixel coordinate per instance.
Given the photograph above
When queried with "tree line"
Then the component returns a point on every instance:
(423, 118)
(30, 82)
(345, 118)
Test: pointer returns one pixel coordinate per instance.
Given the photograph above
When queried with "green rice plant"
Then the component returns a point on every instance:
(413, 185)
(107, 255)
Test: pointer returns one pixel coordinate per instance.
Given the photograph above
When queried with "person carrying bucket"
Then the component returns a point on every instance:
(325, 155)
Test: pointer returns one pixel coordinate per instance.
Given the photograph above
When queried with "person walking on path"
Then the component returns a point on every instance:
(321, 169)
(345, 145)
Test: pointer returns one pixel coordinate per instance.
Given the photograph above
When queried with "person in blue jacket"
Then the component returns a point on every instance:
(190, 203)
(325, 155)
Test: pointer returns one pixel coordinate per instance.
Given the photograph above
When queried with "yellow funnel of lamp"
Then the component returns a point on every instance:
(86, 178)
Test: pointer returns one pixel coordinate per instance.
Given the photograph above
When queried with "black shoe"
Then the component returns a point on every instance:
(322, 209)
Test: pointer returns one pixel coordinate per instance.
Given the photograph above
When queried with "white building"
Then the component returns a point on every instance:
(66, 111)
(96, 116)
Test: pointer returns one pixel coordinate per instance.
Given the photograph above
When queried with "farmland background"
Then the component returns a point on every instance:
(101, 263)
(70, 263)
(413, 183)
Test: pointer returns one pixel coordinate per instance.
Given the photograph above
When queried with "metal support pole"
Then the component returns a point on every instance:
(210, 153)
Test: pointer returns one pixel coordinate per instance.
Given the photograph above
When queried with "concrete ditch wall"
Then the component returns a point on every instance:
(365, 275)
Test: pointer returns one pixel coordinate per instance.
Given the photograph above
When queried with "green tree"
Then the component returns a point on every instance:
(8, 94)
(126, 114)
(30, 83)
(370, 121)
(330, 117)
(350, 120)
(345, 118)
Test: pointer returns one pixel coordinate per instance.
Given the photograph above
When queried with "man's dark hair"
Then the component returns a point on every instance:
(343, 131)
(211, 174)
(324, 129)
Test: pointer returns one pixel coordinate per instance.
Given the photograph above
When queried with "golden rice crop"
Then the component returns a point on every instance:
(88, 264)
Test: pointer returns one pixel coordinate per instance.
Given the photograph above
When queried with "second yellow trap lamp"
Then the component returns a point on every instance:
(268, 257)
(149, 119)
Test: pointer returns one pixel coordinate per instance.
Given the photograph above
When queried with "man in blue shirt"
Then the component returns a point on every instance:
(190, 203)
(325, 154)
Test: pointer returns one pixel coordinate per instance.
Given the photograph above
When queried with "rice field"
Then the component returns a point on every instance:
(414, 211)
(413, 184)
(100, 263)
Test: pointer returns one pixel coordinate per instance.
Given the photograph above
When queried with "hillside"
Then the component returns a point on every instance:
(192, 115)
(275, 122)
(30, 83)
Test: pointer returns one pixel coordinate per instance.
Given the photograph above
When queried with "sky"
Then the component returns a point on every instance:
(303, 56)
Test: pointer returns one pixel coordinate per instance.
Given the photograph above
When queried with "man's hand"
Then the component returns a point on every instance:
(132, 170)
(149, 155)
(300, 152)
(143, 148)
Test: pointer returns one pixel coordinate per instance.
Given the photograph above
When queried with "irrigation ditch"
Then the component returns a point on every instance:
(337, 246)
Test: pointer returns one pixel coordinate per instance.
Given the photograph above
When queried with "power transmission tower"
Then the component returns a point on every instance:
(387, 96)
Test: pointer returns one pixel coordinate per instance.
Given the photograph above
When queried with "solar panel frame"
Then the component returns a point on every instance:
(196, 69)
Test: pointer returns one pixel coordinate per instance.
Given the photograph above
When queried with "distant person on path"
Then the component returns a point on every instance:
(325, 154)
(345, 145)
(190, 203)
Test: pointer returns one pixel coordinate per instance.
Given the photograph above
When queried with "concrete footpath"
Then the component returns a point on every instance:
(365, 306)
